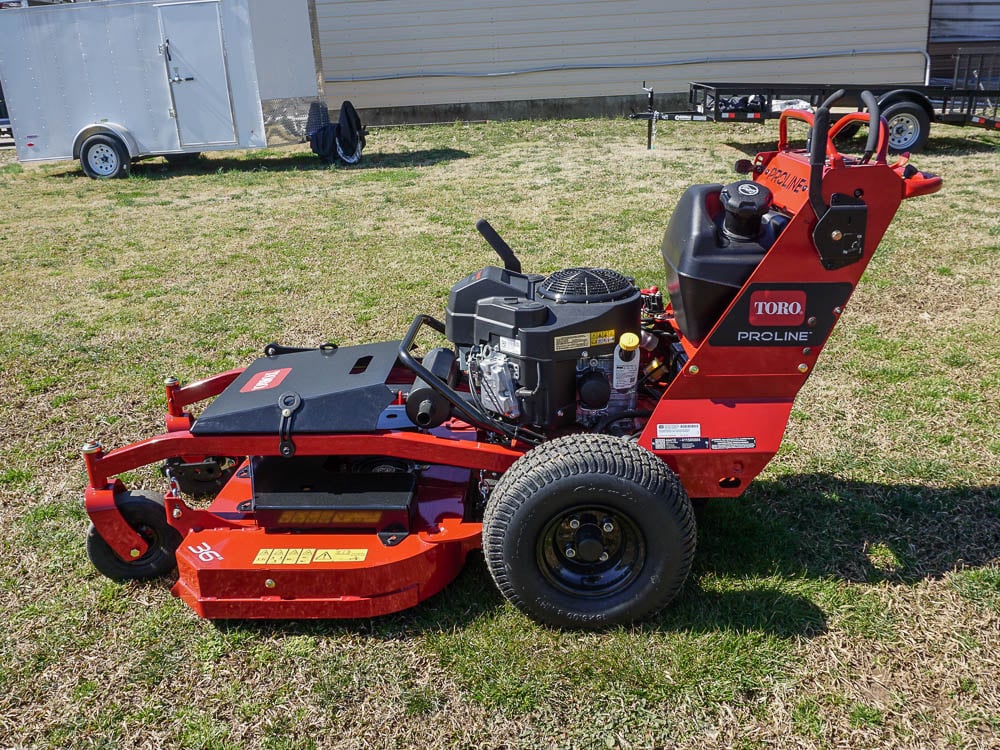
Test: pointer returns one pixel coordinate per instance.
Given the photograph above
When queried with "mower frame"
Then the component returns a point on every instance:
(718, 423)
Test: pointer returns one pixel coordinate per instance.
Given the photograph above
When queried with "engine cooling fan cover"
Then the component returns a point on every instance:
(586, 285)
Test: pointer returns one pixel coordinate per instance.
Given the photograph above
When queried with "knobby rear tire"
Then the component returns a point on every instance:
(562, 495)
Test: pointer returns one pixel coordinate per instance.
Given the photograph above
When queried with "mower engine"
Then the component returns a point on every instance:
(575, 347)
(543, 351)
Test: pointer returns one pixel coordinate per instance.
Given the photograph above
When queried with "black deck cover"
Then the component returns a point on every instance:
(342, 390)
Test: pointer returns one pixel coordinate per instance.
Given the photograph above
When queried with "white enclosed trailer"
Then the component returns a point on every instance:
(112, 81)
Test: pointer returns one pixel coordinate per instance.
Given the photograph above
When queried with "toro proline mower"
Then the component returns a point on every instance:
(563, 430)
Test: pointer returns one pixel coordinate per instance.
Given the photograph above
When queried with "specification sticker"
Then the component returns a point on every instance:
(733, 444)
(685, 430)
(583, 340)
(679, 444)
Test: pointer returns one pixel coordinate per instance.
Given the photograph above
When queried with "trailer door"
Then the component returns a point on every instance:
(196, 68)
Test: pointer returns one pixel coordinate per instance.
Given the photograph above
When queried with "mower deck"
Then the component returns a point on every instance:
(247, 571)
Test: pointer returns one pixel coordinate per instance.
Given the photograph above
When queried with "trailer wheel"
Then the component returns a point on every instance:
(589, 531)
(104, 157)
(145, 513)
(909, 126)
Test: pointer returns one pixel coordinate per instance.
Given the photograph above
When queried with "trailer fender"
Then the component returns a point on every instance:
(111, 128)
(909, 114)
(907, 95)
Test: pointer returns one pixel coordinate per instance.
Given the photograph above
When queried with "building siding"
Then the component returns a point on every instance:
(402, 53)
(954, 21)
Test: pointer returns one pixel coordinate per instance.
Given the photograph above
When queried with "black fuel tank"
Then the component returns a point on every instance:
(705, 266)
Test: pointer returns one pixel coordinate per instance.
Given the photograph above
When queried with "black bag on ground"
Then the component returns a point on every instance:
(344, 141)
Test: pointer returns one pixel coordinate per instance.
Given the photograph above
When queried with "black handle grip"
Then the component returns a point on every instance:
(874, 123)
(817, 152)
(510, 261)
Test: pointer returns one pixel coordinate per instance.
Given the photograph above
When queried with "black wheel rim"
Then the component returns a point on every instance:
(591, 551)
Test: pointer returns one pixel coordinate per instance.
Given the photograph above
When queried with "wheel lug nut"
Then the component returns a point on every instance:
(574, 523)
(608, 527)
(570, 552)
(604, 557)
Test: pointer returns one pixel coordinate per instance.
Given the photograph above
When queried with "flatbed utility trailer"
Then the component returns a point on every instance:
(972, 98)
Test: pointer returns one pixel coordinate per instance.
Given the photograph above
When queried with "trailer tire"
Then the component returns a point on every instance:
(104, 157)
(589, 531)
(909, 127)
(144, 513)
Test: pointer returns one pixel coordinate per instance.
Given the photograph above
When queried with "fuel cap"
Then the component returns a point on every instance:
(745, 202)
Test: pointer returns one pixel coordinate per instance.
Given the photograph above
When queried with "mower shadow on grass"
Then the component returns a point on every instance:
(297, 162)
(752, 555)
(819, 526)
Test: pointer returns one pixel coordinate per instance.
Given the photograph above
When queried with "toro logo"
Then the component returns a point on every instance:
(777, 307)
(264, 380)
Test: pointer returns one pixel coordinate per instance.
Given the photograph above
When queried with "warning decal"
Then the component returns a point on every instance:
(602, 337)
(308, 555)
(340, 555)
(284, 557)
(583, 340)
(700, 443)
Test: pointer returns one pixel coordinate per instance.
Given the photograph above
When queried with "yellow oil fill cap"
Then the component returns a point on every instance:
(629, 342)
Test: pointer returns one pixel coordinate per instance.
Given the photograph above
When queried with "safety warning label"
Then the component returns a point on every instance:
(340, 555)
(304, 556)
(700, 443)
(583, 340)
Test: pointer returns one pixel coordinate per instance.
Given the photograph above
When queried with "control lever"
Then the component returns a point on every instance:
(510, 261)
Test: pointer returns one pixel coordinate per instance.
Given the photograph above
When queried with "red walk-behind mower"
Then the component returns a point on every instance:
(563, 431)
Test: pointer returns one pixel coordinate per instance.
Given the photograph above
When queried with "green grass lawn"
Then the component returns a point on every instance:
(850, 599)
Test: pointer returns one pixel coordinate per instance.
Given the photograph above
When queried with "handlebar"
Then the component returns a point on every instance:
(510, 261)
(821, 142)
(817, 153)
(874, 125)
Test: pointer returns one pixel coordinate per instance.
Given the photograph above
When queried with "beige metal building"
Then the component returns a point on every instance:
(455, 54)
